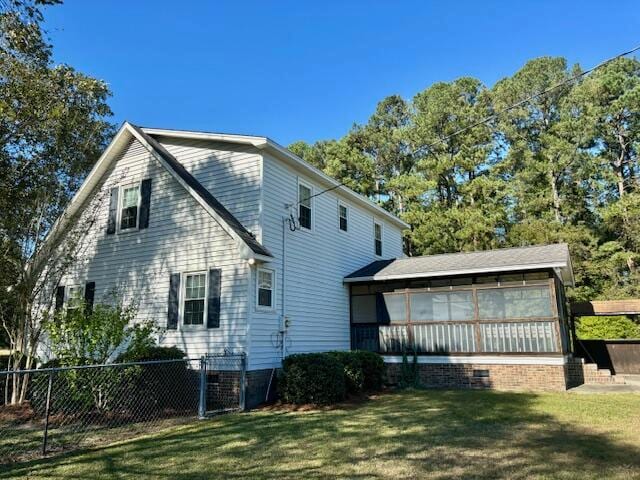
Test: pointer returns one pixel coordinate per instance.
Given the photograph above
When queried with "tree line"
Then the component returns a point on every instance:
(562, 167)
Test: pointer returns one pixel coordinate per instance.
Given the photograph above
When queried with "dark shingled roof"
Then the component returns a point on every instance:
(212, 201)
(504, 259)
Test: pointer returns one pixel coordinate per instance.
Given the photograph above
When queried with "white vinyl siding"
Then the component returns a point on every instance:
(182, 237)
(317, 300)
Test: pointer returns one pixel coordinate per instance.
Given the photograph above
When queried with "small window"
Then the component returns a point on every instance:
(74, 298)
(265, 288)
(129, 207)
(377, 234)
(195, 293)
(343, 214)
(304, 206)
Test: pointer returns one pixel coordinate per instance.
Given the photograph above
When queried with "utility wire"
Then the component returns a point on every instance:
(530, 98)
(494, 116)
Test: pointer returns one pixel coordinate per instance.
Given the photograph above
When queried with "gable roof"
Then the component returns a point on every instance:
(249, 247)
(222, 213)
(554, 256)
(288, 157)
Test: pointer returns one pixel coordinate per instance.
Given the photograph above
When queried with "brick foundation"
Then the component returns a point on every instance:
(223, 389)
(498, 376)
(258, 385)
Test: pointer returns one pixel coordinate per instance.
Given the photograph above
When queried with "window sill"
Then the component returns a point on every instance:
(127, 231)
(262, 309)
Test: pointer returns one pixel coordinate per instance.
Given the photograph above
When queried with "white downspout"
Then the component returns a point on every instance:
(283, 319)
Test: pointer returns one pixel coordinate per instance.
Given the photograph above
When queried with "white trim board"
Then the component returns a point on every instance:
(482, 360)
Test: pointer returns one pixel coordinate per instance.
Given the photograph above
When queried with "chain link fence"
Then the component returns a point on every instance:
(94, 405)
(224, 388)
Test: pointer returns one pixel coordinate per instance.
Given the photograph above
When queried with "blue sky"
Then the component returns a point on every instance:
(303, 70)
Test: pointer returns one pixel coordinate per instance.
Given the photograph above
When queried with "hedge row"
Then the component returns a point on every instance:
(325, 378)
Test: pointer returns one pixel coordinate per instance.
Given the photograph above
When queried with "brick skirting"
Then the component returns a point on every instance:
(498, 376)
(258, 389)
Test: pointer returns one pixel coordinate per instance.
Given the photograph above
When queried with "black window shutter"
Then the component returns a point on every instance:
(145, 202)
(213, 302)
(59, 297)
(174, 299)
(113, 211)
(89, 293)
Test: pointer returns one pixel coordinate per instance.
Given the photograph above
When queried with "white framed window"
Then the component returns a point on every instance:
(265, 288)
(129, 211)
(194, 299)
(377, 238)
(343, 217)
(305, 205)
(74, 298)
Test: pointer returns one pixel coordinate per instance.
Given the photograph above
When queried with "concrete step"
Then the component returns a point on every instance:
(630, 379)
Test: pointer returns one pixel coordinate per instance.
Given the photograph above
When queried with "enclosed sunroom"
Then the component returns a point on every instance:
(476, 305)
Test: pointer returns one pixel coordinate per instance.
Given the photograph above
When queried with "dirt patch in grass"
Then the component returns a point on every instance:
(11, 414)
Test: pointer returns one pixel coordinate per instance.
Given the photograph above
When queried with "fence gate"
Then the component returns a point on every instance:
(222, 383)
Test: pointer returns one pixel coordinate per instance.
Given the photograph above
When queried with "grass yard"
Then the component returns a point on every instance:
(412, 434)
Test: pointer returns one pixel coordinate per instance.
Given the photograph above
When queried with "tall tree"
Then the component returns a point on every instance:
(540, 149)
(383, 140)
(52, 129)
(465, 204)
(609, 102)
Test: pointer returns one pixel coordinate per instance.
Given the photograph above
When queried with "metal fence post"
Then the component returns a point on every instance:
(46, 415)
(243, 386)
(202, 404)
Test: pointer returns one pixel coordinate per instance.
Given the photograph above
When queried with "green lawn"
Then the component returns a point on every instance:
(415, 434)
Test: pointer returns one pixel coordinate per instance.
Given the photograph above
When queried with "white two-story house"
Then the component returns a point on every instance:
(231, 242)
(226, 242)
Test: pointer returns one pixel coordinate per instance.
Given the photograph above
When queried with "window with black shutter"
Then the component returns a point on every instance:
(129, 207)
(195, 294)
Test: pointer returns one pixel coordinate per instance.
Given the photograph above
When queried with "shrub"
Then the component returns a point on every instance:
(312, 378)
(372, 369)
(150, 353)
(363, 370)
(352, 369)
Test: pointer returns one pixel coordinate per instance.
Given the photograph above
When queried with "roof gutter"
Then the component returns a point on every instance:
(445, 273)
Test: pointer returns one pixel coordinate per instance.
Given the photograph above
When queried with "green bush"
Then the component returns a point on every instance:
(150, 353)
(352, 369)
(312, 378)
(372, 370)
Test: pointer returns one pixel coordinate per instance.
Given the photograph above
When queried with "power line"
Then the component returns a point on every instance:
(502, 111)
(530, 98)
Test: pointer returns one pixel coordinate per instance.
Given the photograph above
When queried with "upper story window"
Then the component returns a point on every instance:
(265, 288)
(377, 238)
(74, 299)
(304, 205)
(343, 217)
(129, 208)
(195, 293)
